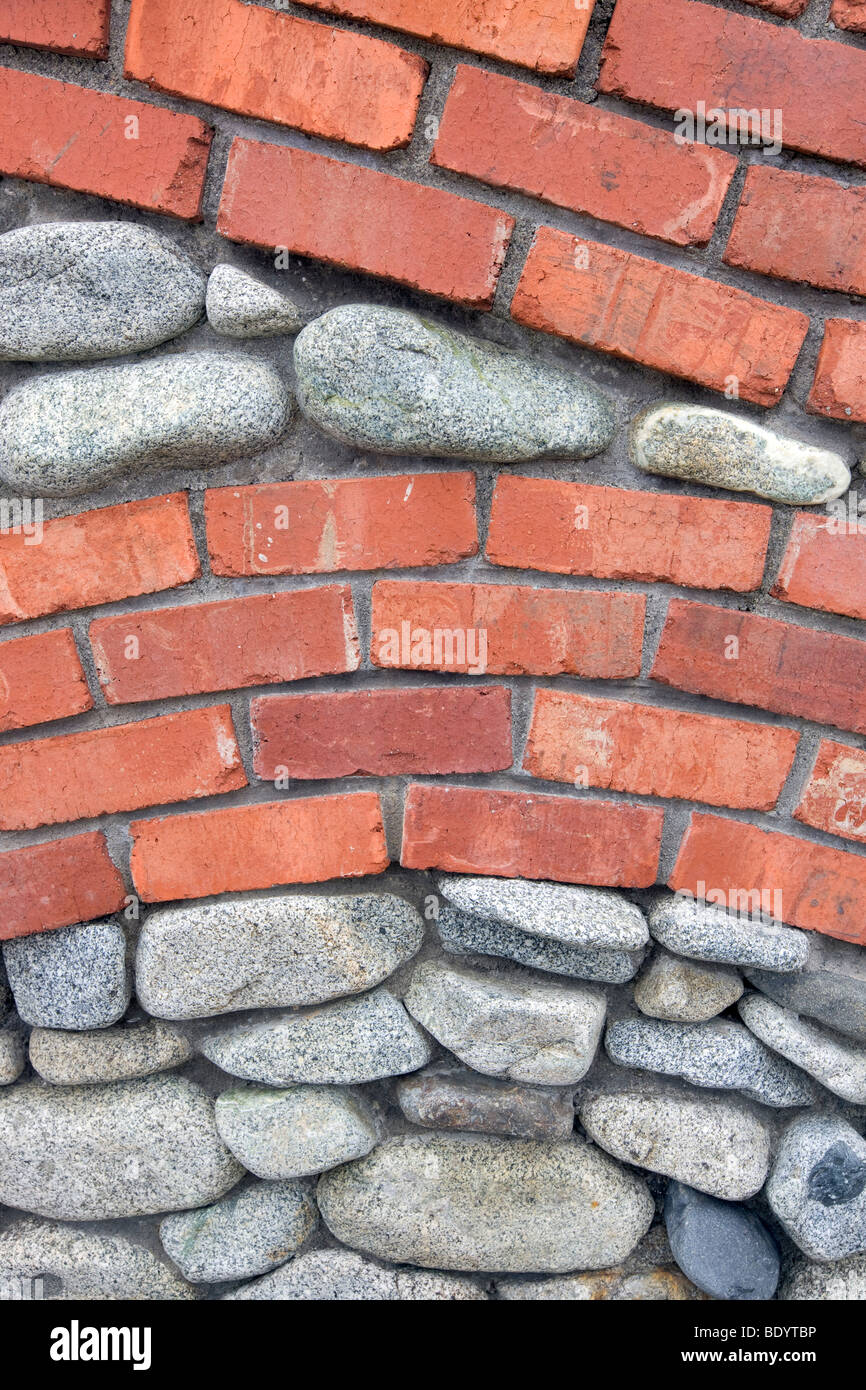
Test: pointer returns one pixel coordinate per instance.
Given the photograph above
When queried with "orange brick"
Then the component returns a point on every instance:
(824, 565)
(421, 237)
(849, 14)
(98, 557)
(804, 884)
(251, 60)
(839, 388)
(474, 830)
(610, 533)
(627, 747)
(662, 318)
(322, 526)
(79, 27)
(72, 137)
(41, 679)
(251, 847)
(505, 629)
(57, 884)
(834, 798)
(511, 135)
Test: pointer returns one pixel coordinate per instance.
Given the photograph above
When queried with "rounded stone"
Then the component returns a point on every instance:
(247, 1233)
(296, 1132)
(74, 978)
(241, 307)
(73, 291)
(560, 912)
(467, 1202)
(831, 986)
(724, 1248)
(328, 1276)
(714, 447)
(817, 1187)
(447, 1097)
(681, 991)
(111, 1054)
(836, 1062)
(83, 1263)
(841, 1281)
(701, 931)
(398, 383)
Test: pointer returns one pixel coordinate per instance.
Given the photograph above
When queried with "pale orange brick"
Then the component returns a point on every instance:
(824, 564)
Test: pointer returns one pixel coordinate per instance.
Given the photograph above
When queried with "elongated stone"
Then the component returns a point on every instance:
(76, 978)
(462, 933)
(560, 912)
(109, 1054)
(509, 1025)
(817, 1187)
(342, 1276)
(836, 1062)
(260, 953)
(831, 986)
(75, 431)
(395, 382)
(616, 1285)
(73, 291)
(295, 1132)
(249, 1232)
(701, 445)
(242, 307)
(83, 1263)
(696, 929)
(451, 1098)
(678, 989)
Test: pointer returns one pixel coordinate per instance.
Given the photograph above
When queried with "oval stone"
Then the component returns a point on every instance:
(295, 1132)
(87, 1263)
(342, 1276)
(109, 1054)
(249, 1232)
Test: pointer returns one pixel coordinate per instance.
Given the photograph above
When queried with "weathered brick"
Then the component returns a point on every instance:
(56, 884)
(627, 747)
(79, 27)
(41, 679)
(680, 53)
(824, 565)
(547, 36)
(839, 388)
(610, 533)
(288, 636)
(849, 14)
(383, 733)
(760, 661)
(506, 629)
(511, 135)
(324, 525)
(834, 798)
(251, 847)
(421, 237)
(122, 768)
(664, 318)
(91, 142)
(98, 557)
(800, 882)
(799, 227)
(277, 67)
(475, 830)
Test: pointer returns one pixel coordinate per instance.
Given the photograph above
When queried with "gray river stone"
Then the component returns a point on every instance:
(109, 1054)
(399, 383)
(538, 1031)
(207, 959)
(682, 991)
(831, 986)
(724, 1248)
(83, 1263)
(463, 934)
(837, 1062)
(249, 1232)
(841, 1281)
(295, 1132)
(471, 1202)
(350, 1041)
(74, 978)
(720, 1053)
(717, 1144)
(817, 1187)
(90, 1153)
(446, 1097)
(328, 1276)
(702, 931)
(12, 1052)
(702, 445)
(73, 291)
(557, 912)
(75, 431)
(241, 307)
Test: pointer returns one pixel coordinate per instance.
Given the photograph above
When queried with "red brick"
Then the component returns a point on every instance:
(289, 636)
(663, 318)
(474, 830)
(383, 733)
(804, 884)
(41, 679)
(251, 847)
(798, 227)
(824, 565)
(421, 237)
(251, 60)
(57, 884)
(780, 667)
(839, 388)
(682, 52)
(71, 137)
(543, 34)
(511, 135)
(98, 557)
(330, 524)
(527, 631)
(79, 27)
(627, 747)
(849, 14)
(610, 533)
(834, 798)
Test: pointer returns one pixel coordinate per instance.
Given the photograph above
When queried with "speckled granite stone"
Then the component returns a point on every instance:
(682, 991)
(328, 1276)
(249, 1232)
(295, 1132)
(75, 978)
(12, 1052)
(241, 307)
(462, 933)
(817, 1187)
(85, 1263)
(110, 1054)
(558, 912)
(837, 1062)
(841, 1281)
(704, 932)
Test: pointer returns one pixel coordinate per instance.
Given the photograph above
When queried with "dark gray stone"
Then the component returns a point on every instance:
(724, 1248)
(831, 986)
